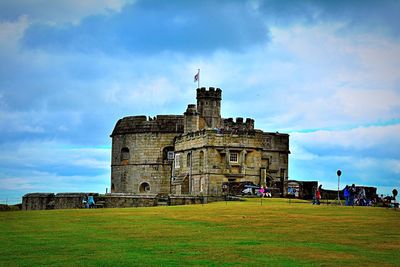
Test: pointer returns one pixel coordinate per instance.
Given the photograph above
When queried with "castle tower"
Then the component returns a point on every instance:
(191, 122)
(209, 107)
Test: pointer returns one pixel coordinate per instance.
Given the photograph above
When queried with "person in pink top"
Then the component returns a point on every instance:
(261, 190)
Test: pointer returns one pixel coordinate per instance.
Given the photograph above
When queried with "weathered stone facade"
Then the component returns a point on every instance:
(195, 153)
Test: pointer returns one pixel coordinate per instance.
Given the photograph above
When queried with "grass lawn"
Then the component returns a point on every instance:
(218, 234)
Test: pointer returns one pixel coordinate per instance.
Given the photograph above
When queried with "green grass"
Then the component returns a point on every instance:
(217, 234)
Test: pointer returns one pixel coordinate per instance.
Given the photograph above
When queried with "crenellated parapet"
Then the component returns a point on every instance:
(144, 124)
(238, 125)
(212, 92)
(191, 110)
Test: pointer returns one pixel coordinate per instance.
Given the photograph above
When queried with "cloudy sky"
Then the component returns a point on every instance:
(326, 72)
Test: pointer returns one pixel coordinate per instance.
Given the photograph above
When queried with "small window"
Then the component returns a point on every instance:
(124, 153)
(170, 155)
(233, 157)
(177, 160)
(188, 159)
(201, 159)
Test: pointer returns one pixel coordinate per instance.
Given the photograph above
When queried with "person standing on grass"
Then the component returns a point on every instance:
(91, 202)
(362, 196)
(346, 195)
(314, 194)
(352, 194)
(267, 192)
(261, 191)
(84, 202)
(318, 195)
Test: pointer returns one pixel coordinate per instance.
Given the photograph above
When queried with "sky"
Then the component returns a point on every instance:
(325, 72)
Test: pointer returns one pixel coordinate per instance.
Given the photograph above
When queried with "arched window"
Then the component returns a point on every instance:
(144, 188)
(201, 159)
(112, 188)
(124, 154)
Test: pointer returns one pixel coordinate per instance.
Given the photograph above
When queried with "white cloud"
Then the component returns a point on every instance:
(155, 91)
(359, 138)
(11, 32)
(39, 154)
(61, 11)
(36, 181)
(371, 105)
(300, 153)
(15, 183)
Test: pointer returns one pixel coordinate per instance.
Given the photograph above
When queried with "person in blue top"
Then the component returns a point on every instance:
(352, 191)
(91, 202)
(346, 195)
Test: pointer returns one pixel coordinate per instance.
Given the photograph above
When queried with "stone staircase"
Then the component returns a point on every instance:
(163, 201)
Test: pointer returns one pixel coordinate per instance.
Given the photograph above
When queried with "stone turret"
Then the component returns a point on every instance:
(191, 122)
(209, 107)
(142, 124)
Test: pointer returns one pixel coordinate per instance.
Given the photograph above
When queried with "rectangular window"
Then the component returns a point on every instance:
(233, 157)
(177, 160)
(170, 155)
(189, 159)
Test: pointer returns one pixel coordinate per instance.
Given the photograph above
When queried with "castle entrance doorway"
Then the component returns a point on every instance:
(185, 185)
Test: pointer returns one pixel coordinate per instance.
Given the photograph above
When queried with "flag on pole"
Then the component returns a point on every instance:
(197, 78)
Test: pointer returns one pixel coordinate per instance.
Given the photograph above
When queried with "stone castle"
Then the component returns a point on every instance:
(197, 153)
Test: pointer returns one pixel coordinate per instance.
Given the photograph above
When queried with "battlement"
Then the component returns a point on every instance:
(191, 110)
(239, 125)
(212, 92)
(144, 124)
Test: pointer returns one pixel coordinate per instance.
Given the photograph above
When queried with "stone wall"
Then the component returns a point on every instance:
(126, 201)
(146, 168)
(71, 200)
(45, 201)
(38, 201)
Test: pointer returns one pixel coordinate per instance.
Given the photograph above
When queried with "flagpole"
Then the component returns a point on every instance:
(198, 80)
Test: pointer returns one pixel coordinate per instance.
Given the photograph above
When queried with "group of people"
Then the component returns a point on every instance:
(265, 191)
(353, 197)
(390, 201)
(88, 202)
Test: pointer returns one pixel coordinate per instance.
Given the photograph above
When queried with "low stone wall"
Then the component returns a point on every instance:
(185, 200)
(45, 201)
(126, 201)
(38, 201)
(71, 200)
(5, 207)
